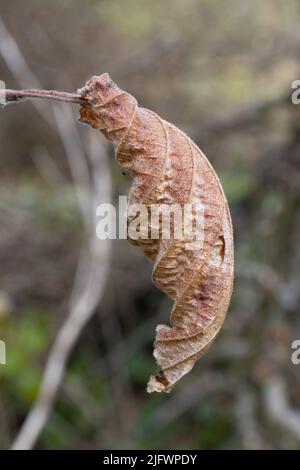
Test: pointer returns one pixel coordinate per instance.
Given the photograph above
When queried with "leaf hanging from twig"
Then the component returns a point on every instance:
(168, 168)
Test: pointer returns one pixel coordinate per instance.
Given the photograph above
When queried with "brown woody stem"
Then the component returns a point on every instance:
(17, 95)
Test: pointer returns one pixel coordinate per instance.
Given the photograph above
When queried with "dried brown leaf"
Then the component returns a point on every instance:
(168, 168)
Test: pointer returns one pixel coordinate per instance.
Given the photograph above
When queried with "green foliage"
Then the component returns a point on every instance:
(25, 338)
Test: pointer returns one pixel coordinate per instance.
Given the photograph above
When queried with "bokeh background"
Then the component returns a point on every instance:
(222, 71)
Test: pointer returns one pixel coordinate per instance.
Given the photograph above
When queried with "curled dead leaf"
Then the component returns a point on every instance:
(168, 168)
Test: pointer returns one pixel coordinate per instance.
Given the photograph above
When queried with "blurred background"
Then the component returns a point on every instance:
(78, 315)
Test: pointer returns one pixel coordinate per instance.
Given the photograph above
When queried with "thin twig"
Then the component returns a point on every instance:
(17, 95)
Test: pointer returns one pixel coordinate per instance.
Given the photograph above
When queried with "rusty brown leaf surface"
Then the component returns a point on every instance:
(168, 168)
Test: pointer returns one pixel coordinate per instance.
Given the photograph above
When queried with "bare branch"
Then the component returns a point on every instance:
(18, 95)
(94, 260)
(89, 284)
